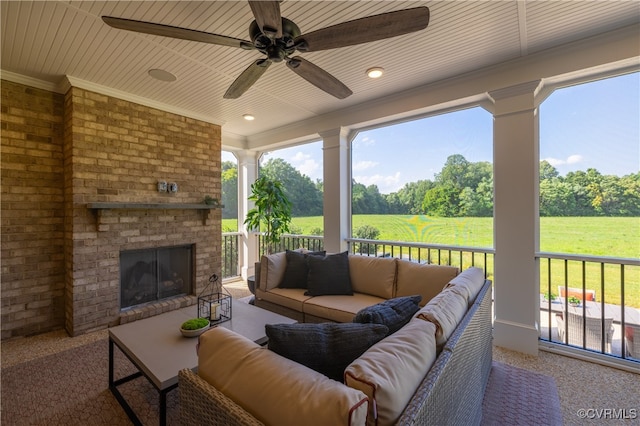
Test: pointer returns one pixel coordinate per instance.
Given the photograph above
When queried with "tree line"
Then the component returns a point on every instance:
(461, 189)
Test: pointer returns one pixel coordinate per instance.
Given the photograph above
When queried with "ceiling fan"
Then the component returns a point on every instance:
(278, 38)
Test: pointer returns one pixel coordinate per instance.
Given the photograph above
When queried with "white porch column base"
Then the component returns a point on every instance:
(516, 337)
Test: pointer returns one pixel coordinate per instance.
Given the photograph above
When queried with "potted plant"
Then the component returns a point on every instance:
(272, 209)
(194, 327)
(550, 297)
(574, 301)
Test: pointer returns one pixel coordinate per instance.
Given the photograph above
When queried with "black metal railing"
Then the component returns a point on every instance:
(230, 254)
(292, 242)
(231, 242)
(591, 302)
(438, 254)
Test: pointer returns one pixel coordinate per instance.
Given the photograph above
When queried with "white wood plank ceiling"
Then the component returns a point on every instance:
(48, 40)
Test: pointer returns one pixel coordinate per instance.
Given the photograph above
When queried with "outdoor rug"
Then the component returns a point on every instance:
(515, 396)
(71, 388)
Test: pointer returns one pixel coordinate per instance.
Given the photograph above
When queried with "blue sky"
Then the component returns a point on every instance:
(594, 125)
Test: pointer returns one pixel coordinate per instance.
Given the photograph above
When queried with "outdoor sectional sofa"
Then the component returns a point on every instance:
(432, 370)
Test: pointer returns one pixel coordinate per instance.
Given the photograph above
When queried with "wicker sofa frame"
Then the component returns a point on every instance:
(450, 394)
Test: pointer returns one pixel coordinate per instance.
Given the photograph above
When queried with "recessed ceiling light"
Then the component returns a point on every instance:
(162, 75)
(248, 117)
(375, 72)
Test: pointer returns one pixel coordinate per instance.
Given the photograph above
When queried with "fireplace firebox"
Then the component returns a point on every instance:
(154, 274)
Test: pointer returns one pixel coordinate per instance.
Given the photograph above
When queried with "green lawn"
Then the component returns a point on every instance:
(592, 236)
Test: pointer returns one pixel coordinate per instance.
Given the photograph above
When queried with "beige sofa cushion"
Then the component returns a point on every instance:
(445, 310)
(391, 370)
(266, 384)
(272, 269)
(425, 280)
(291, 298)
(468, 283)
(372, 275)
(339, 308)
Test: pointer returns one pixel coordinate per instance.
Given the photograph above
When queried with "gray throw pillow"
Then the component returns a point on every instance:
(329, 275)
(394, 313)
(295, 274)
(327, 348)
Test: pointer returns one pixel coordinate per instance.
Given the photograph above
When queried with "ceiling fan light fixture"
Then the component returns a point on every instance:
(375, 72)
(249, 117)
(161, 75)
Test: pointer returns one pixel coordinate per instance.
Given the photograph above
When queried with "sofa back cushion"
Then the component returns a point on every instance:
(468, 283)
(445, 311)
(391, 370)
(274, 389)
(272, 269)
(373, 275)
(423, 279)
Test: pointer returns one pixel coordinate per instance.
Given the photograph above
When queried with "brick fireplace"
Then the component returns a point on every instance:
(108, 156)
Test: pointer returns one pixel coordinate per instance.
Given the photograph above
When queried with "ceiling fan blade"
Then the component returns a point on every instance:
(248, 77)
(175, 32)
(268, 18)
(318, 77)
(363, 30)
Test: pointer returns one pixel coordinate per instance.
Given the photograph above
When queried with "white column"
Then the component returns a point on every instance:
(337, 189)
(516, 219)
(247, 174)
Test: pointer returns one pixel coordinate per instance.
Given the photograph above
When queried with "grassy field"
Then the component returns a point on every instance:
(593, 236)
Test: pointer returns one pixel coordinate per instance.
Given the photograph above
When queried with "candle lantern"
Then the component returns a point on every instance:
(214, 306)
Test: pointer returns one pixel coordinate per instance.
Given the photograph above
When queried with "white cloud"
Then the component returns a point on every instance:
(306, 165)
(366, 141)
(572, 159)
(385, 184)
(300, 157)
(364, 165)
(310, 168)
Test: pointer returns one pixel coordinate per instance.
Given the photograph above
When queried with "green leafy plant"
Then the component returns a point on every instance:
(366, 232)
(316, 231)
(550, 296)
(195, 324)
(573, 300)
(272, 209)
(210, 201)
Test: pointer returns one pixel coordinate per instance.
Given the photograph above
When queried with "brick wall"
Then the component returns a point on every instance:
(116, 151)
(32, 208)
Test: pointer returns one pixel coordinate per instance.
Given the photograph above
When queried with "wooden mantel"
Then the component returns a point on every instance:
(148, 206)
(99, 207)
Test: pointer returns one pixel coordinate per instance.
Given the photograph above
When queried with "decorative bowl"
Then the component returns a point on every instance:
(194, 332)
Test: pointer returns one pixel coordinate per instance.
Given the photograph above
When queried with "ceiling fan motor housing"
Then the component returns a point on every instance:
(279, 48)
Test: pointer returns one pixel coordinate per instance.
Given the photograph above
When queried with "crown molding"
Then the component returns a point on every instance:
(68, 81)
(104, 90)
(30, 81)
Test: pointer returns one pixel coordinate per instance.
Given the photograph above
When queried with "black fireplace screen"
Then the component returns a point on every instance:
(154, 274)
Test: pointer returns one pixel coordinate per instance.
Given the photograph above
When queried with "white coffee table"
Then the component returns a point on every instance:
(158, 350)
